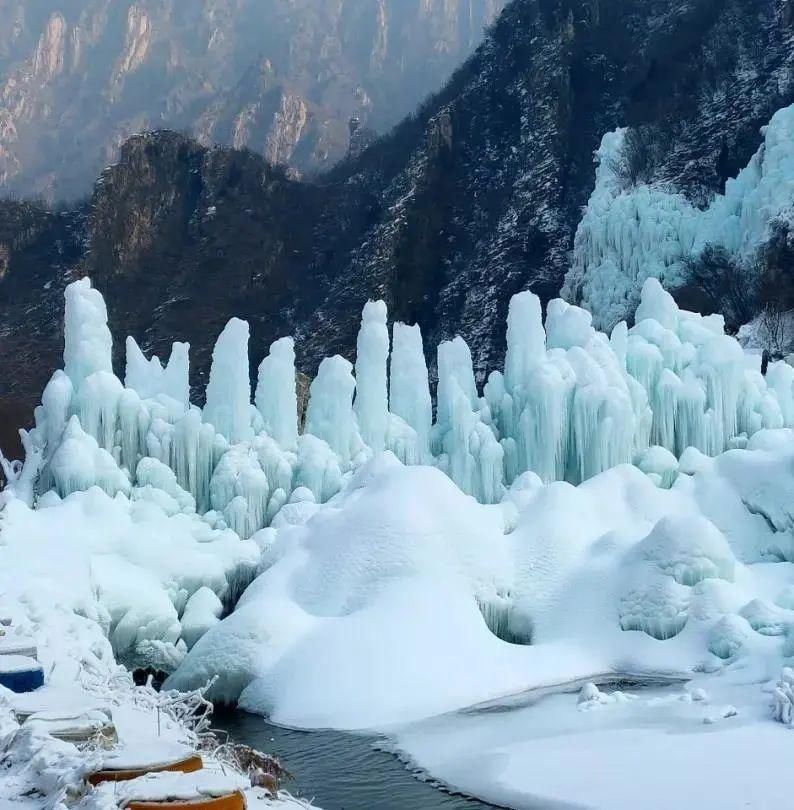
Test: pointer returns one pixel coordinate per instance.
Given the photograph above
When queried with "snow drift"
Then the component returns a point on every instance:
(379, 609)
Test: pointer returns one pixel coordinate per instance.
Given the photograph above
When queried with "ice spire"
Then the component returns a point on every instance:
(454, 366)
(372, 356)
(148, 377)
(276, 398)
(330, 413)
(526, 339)
(409, 389)
(228, 406)
(88, 345)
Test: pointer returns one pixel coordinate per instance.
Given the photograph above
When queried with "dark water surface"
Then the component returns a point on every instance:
(341, 771)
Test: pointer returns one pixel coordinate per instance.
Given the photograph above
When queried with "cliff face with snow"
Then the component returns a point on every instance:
(476, 197)
(283, 78)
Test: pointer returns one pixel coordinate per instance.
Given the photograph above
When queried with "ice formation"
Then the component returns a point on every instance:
(629, 234)
(570, 403)
(276, 398)
(606, 505)
(372, 357)
(228, 405)
(616, 575)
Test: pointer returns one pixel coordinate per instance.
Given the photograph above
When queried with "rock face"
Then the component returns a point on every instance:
(282, 77)
(472, 199)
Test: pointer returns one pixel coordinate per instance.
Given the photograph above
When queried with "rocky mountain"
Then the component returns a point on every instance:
(472, 199)
(77, 77)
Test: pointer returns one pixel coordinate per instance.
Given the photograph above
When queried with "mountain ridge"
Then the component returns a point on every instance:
(77, 79)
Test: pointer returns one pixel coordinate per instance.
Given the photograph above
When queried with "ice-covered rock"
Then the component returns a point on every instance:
(202, 612)
(629, 234)
(783, 698)
(728, 636)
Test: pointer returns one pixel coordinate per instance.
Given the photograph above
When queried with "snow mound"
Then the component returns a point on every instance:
(690, 549)
(128, 564)
(478, 602)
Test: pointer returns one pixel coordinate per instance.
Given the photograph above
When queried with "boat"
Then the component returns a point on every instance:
(186, 764)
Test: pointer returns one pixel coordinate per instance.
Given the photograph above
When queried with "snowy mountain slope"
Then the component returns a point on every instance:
(476, 197)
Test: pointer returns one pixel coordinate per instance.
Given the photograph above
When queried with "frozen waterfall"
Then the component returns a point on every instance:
(629, 234)
(570, 403)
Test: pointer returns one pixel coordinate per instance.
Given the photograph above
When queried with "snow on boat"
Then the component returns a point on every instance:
(12, 645)
(76, 727)
(185, 764)
(201, 790)
(20, 673)
(48, 698)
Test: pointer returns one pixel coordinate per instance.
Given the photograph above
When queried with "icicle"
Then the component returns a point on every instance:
(98, 406)
(229, 388)
(372, 357)
(276, 397)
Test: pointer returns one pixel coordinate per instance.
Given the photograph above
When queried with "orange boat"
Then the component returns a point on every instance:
(187, 764)
(230, 801)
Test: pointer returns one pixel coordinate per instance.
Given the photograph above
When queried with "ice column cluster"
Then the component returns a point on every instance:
(570, 403)
(629, 234)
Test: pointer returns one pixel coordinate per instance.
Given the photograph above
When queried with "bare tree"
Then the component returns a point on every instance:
(638, 158)
(725, 285)
(774, 332)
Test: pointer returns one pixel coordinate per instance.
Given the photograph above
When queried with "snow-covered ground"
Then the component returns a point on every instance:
(653, 749)
(85, 690)
(609, 507)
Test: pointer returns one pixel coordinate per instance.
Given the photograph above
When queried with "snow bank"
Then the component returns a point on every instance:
(72, 573)
(632, 747)
(630, 234)
(371, 614)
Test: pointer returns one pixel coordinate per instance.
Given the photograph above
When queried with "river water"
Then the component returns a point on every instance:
(341, 771)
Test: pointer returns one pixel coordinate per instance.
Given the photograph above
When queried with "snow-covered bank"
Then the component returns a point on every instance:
(125, 564)
(114, 723)
(620, 750)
